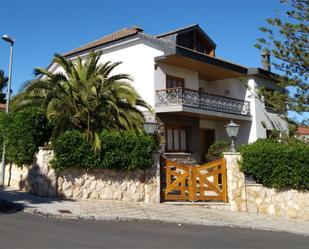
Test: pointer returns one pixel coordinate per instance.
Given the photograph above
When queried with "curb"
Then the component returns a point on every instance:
(179, 222)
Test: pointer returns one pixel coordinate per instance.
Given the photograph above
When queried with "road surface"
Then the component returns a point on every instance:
(19, 230)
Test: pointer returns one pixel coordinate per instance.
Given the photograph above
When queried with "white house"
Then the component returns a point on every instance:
(194, 94)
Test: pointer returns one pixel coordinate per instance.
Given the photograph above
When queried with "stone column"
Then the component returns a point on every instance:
(236, 190)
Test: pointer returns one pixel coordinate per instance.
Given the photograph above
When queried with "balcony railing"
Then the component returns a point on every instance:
(201, 100)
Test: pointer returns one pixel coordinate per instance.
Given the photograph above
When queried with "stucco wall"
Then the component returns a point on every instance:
(76, 183)
(254, 198)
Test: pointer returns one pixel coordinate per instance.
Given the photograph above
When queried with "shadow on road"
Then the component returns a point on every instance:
(12, 201)
(10, 208)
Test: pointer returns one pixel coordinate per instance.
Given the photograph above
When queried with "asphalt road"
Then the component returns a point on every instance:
(19, 230)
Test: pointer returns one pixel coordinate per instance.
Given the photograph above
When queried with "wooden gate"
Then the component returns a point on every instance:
(206, 182)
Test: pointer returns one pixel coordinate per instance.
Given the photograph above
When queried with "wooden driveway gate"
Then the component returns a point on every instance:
(206, 182)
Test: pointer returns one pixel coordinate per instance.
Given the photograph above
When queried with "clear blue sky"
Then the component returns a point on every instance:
(44, 27)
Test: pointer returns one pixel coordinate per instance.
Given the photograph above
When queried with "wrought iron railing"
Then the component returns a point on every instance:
(201, 100)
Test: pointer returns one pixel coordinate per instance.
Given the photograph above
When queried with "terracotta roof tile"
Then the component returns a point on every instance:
(303, 130)
(125, 32)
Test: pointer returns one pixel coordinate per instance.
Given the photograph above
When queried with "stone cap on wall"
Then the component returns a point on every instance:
(231, 153)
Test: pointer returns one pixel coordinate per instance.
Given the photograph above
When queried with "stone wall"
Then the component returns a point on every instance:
(254, 198)
(76, 183)
(290, 204)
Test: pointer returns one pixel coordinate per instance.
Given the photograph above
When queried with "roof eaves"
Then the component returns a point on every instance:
(209, 59)
(263, 73)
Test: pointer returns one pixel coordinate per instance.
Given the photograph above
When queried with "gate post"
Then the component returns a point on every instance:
(235, 182)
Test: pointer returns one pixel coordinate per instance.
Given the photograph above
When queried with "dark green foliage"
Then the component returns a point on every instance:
(120, 150)
(216, 150)
(279, 165)
(73, 149)
(3, 84)
(23, 132)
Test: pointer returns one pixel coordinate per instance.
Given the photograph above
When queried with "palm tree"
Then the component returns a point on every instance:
(86, 96)
(3, 84)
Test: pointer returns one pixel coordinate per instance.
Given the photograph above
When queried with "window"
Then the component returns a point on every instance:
(172, 82)
(176, 138)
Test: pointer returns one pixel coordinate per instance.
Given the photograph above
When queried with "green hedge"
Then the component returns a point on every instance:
(216, 150)
(282, 165)
(120, 150)
(23, 132)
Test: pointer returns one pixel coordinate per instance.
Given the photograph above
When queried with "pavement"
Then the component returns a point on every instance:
(110, 210)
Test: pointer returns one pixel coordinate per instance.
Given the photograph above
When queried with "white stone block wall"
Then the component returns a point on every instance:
(254, 198)
(76, 183)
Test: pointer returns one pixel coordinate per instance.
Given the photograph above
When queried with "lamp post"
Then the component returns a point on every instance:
(232, 131)
(10, 40)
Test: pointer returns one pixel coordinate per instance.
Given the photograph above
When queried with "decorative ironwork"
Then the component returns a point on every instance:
(201, 100)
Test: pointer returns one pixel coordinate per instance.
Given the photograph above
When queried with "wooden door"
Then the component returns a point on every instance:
(208, 137)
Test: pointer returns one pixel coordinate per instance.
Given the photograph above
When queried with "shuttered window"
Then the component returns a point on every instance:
(176, 139)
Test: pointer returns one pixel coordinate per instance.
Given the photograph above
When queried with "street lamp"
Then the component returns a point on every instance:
(232, 131)
(10, 40)
(150, 127)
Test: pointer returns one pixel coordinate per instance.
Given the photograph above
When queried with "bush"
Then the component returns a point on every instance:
(278, 165)
(72, 149)
(120, 150)
(23, 132)
(216, 150)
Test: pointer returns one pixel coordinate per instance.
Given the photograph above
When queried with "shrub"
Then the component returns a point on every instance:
(23, 132)
(278, 165)
(120, 150)
(72, 149)
(216, 150)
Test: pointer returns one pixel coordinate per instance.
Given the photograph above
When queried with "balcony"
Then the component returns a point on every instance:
(199, 100)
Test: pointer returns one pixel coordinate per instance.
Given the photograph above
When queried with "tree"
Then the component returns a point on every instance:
(86, 96)
(3, 84)
(287, 40)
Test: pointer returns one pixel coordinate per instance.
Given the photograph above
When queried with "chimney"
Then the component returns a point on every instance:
(265, 56)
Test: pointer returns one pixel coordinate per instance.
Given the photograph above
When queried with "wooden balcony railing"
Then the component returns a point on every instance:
(201, 100)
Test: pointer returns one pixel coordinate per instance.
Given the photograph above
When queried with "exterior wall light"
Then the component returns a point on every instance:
(150, 127)
(232, 131)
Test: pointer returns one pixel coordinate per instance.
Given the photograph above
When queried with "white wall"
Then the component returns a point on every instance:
(262, 116)
(233, 88)
(220, 131)
(138, 61)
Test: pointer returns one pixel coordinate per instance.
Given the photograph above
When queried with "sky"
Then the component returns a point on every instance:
(44, 27)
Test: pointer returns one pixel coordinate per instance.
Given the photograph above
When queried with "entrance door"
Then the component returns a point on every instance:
(208, 137)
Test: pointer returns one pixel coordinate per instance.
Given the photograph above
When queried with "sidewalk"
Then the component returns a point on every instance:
(119, 210)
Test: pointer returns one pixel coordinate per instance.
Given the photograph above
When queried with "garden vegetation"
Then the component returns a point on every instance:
(87, 114)
(281, 165)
